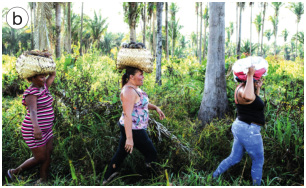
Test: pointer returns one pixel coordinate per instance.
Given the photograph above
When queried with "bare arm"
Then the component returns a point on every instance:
(247, 93)
(50, 79)
(31, 101)
(128, 98)
(158, 110)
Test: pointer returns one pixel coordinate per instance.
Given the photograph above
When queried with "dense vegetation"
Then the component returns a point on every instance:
(87, 107)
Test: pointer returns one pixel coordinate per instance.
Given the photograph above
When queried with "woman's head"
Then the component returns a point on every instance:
(38, 80)
(133, 75)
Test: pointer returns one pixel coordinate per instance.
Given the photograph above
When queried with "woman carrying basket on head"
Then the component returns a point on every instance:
(36, 128)
(250, 118)
(134, 119)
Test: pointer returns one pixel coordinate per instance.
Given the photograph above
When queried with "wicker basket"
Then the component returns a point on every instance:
(138, 58)
(31, 65)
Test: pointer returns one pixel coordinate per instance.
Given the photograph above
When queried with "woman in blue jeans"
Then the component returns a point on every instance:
(246, 128)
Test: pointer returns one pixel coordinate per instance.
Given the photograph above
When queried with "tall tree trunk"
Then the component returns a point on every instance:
(239, 39)
(69, 27)
(151, 41)
(132, 20)
(200, 46)
(41, 38)
(159, 9)
(262, 31)
(204, 47)
(251, 30)
(144, 24)
(215, 102)
(172, 53)
(166, 25)
(197, 10)
(58, 30)
(154, 33)
(237, 32)
(32, 26)
(297, 32)
(276, 20)
(258, 43)
(81, 33)
(205, 27)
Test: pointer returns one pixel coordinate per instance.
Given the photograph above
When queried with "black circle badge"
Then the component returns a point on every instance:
(17, 17)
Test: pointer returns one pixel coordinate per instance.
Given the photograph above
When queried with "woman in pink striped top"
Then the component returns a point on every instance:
(37, 125)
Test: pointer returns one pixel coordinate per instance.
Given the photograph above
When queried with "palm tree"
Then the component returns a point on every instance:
(69, 27)
(32, 7)
(143, 15)
(241, 6)
(43, 16)
(246, 47)
(200, 47)
(173, 11)
(285, 34)
(268, 34)
(150, 15)
(276, 6)
(251, 5)
(206, 17)
(98, 27)
(228, 36)
(107, 43)
(15, 40)
(154, 30)
(58, 29)
(81, 32)
(229, 32)
(214, 102)
(298, 10)
(131, 15)
(300, 37)
(159, 10)
(258, 24)
(110, 41)
(193, 37)
(263, 21)
(197, 13)
(274, 21)
(237, 23)
(174, 31)
(166, 28)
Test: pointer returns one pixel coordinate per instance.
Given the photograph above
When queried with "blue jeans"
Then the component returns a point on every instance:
(247, 137)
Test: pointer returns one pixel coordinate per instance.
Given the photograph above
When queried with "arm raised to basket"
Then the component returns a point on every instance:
(50, 79)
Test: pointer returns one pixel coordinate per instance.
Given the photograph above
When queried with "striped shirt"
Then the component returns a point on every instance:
(45, 117)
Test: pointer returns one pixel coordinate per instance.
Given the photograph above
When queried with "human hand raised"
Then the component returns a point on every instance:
(251, 71)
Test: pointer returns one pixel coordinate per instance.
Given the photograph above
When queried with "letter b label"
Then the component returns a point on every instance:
(17, 17)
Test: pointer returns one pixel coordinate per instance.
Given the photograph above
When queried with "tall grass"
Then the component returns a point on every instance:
(87, 108)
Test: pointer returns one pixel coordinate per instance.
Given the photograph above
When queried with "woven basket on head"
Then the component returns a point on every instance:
(138, 58)
(30, 65)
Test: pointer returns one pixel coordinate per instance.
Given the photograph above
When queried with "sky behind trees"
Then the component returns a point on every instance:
(187, 17)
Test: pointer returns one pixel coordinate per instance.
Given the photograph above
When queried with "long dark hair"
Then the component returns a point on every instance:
(129, 71)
